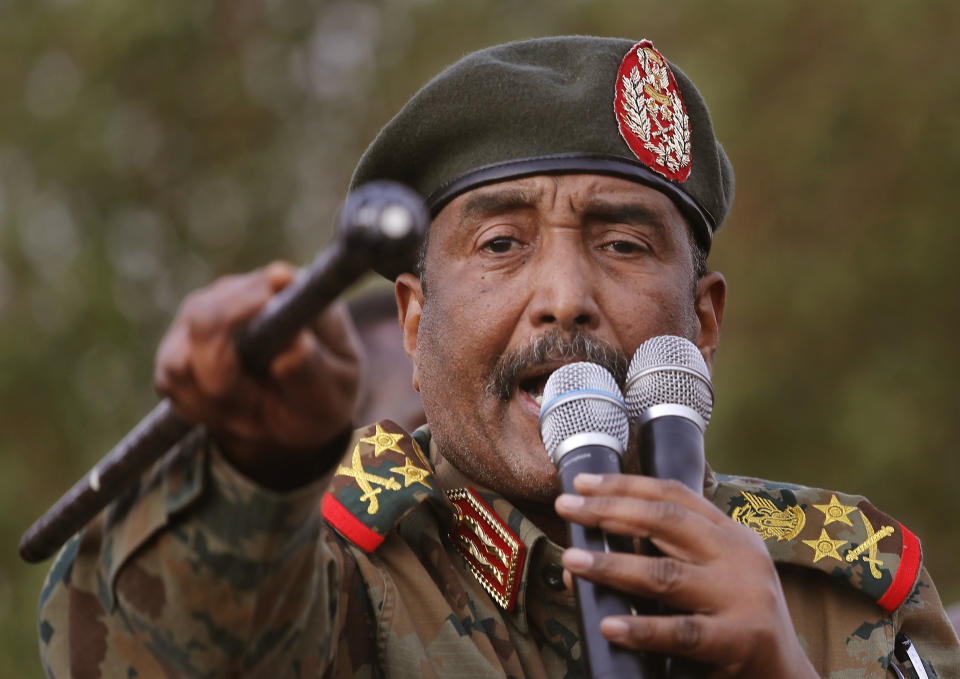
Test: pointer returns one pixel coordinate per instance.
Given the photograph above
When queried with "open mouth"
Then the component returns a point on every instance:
(533, 386)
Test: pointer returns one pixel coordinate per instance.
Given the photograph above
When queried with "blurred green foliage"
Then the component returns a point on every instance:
(147, 148)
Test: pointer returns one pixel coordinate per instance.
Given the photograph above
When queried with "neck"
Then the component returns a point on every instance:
(540, 513)
(545, 518)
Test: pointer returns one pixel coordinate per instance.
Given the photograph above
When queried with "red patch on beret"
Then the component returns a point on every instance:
(651, 114)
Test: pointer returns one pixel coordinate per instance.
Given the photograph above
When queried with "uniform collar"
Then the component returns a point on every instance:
(540, 589)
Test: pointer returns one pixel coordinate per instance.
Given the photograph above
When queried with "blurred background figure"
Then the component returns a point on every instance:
(386, 390)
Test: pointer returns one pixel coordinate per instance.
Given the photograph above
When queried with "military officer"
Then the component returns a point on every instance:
(576, 186)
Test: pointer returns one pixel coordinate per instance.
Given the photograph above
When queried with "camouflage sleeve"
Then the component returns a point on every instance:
(923, 618)
(200, 572)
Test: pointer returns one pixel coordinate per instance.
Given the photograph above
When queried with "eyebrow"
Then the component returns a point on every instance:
(497, 202)
(501, 201)
(624, 213)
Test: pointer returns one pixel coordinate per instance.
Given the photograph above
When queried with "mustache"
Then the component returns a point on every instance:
(554, 346)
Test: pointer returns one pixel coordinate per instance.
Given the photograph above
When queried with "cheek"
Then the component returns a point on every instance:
(652, 310)
(463, 330)
(443, 343)
(475, 312)
(677, 311)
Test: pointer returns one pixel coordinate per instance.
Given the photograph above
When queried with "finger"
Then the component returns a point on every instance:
(203, 382)
(306, 358)
(193, 406)
(280, 274)
(199, 391)
(649, 488)
(690, 636)
(677, 583)
(230, 300)
(215, 308)
(309, 370)
(212, 315)
(172, 363)
(215, 366)
(173, 377)
(674, 529)
(298, 362)
(237, 418)
(329, 352)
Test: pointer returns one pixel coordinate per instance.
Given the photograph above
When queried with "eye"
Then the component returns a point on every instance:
(499, 245)
(624, 247)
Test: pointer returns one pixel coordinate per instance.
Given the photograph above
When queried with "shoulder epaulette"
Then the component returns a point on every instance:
(842, 535)
(383, 476)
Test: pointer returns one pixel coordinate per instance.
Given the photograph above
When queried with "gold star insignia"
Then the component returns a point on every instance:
(825, 546)
(835, 512)
(382, 441)
(411, 474)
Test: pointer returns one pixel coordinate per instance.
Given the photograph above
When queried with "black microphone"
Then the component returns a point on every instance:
(669, 398)
(584, 426)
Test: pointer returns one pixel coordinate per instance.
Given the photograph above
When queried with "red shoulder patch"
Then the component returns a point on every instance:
(906, 573)
(383, 477)
(349, 526)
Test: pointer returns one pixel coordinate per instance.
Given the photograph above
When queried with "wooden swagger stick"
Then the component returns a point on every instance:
(379, 223)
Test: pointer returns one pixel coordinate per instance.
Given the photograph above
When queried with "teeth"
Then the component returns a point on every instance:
(538, 398)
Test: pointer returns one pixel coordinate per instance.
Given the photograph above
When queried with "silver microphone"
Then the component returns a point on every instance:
(584, 426)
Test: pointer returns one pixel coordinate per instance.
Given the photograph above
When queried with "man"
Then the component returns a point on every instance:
(576, 186)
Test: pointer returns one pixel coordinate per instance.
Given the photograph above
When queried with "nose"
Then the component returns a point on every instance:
(563, 290)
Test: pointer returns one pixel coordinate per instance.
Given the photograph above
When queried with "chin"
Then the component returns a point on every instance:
(517, 479)
(530, 484)
(541, 495)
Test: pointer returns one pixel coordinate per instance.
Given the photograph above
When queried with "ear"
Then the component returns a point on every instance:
(710, 301)
(410, 305)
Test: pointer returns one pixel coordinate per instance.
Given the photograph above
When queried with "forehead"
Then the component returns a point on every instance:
(575, 193)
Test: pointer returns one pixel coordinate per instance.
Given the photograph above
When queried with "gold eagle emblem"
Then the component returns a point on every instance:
(766, 520)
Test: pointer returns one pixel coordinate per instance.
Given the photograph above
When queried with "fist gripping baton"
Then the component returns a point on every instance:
(380, 224)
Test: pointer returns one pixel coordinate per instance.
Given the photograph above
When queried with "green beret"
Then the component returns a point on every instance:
(558, 105)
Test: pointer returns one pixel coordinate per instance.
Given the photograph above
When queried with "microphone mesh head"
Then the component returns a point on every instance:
(595, 405)
(668, 369)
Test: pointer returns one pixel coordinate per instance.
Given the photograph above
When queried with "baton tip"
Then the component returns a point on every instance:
(29, 551)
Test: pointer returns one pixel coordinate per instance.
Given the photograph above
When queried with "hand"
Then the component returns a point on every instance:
(305, 403)
(713, 567)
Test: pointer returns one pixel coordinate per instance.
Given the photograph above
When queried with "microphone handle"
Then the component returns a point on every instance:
(671, 447)
(602, 659)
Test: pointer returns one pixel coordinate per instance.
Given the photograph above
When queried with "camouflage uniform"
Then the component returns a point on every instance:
(201, 573)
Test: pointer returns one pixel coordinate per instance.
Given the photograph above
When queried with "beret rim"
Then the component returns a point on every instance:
(700, 219)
